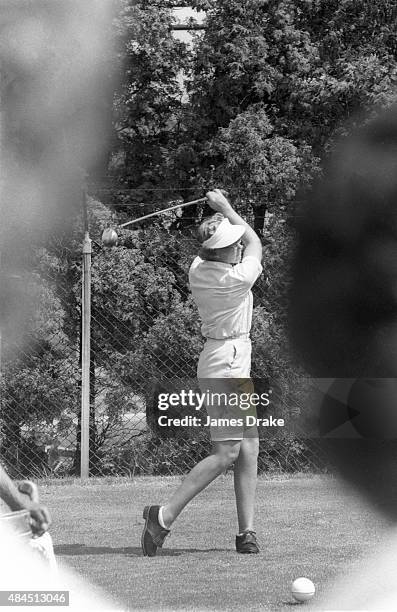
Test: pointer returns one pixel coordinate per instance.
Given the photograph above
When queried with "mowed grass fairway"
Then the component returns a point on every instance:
(307, 526)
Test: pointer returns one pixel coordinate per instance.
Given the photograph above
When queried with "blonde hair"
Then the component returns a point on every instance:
(209, 226)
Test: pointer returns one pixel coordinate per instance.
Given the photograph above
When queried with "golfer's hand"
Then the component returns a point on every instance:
(40, 518)
(218, 202)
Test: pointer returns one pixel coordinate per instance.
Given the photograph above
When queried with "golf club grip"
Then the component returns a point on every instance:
(159, 212)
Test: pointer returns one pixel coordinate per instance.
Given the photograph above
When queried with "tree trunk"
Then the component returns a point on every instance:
(259, 218)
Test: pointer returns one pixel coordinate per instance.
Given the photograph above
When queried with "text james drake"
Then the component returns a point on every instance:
(194, 421)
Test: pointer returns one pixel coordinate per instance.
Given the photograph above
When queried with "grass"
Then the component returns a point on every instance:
(307, 526)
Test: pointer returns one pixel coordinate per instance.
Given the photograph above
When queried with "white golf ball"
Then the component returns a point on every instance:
(302, 589)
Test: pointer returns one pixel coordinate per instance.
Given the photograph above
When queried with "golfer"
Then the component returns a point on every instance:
(220, 281)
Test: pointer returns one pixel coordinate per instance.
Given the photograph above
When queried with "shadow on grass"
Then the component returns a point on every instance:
(135, 551)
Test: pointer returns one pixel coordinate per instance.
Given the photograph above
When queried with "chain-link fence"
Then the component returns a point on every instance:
(145, 339)
(40, 361)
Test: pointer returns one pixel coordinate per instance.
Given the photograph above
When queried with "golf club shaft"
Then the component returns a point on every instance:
(159, 212)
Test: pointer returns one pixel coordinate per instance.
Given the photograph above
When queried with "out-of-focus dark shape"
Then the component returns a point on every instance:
(343, 306)
(343, 302)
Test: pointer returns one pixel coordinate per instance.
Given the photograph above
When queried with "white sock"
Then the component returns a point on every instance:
(160, 518)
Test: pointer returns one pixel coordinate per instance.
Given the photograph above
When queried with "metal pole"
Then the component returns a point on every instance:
(85, 353)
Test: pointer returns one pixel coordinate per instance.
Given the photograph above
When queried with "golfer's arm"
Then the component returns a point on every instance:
(252, 243)
(9, 492)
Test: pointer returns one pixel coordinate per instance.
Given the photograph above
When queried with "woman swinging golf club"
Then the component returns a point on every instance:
(220, 280)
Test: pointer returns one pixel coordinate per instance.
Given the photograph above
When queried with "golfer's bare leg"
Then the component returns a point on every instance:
(245, 478)
(224, 454)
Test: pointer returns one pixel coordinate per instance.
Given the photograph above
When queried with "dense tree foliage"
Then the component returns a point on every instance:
(149, 100)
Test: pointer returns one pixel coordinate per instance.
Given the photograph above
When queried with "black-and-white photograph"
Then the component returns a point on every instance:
(198, 305)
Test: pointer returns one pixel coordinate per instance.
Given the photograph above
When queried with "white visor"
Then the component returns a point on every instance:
(224, 235)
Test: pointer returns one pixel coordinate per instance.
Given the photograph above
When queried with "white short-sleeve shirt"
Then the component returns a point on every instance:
(223, 295)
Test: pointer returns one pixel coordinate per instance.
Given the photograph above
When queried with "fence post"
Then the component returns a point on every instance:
(85, 350)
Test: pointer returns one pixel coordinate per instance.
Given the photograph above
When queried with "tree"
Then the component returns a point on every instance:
(355, 68)
(148, 102)
(40, 378)
(308, 66)
(264, 168)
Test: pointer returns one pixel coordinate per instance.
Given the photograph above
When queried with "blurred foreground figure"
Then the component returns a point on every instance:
(28, 518)
(24, 498)
(21, 569)
(343, 318)
(28, 563)
(344, 299)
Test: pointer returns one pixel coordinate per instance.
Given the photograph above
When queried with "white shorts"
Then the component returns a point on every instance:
(225, 359)
(224, 368)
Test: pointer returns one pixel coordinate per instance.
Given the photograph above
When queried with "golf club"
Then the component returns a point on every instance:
(109, 235)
